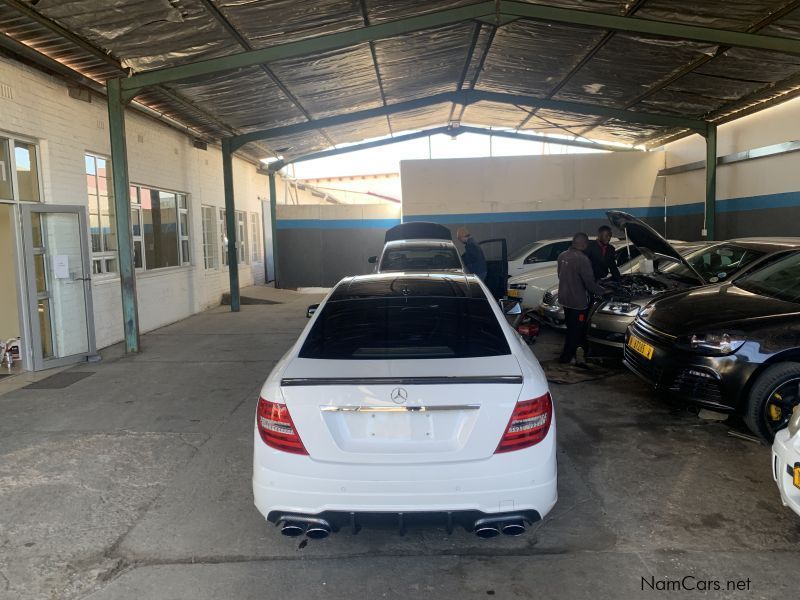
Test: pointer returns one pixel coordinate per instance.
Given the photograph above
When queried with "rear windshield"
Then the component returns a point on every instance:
(405, 327)
(420, 259)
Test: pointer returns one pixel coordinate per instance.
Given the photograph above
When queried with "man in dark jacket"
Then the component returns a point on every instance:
(473, 257)
(603, 255)
(576, 284)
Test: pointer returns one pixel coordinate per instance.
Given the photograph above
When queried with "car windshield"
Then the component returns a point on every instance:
(780, 280)
(523, 252)
(715, 263)
(423, 258)
(405, 327)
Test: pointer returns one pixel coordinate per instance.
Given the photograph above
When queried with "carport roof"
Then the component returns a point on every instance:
(634, 72)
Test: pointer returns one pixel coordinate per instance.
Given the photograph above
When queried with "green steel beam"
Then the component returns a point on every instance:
(528, 137)
(122, 210)
(468, 97)
(308, 46)
(711, 182)
(595, 20)
(277, 166)
(365, 146)
(230, 223)
(273, 211)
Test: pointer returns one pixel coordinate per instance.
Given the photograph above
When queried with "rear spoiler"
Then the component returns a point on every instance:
(485, 379)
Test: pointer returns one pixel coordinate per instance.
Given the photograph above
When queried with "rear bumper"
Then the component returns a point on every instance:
(785, 455)
(511, 482)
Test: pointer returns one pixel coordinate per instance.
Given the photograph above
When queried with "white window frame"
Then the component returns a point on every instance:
(241, 236)
(102, 258)
(210, 262)
(180, 235)
(12, 166)
(255, 238)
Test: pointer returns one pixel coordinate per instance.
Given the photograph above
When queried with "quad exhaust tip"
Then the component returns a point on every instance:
(315, 529)
(489, 527)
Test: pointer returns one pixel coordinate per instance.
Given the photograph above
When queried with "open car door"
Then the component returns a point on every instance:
(496, 253)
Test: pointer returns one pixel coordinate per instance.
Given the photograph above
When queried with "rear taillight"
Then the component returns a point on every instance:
(528, 425)
(276, 427)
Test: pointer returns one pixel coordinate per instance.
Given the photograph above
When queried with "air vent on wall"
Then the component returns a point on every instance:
(6, 91)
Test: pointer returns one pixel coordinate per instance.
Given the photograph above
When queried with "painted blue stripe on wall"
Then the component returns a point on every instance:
(337, 223)
(767, 201)
(540, 215)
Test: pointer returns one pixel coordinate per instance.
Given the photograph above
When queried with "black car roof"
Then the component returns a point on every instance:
(447, 285)
(766, 244)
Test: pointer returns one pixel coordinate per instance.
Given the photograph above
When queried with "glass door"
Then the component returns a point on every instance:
(59, 284)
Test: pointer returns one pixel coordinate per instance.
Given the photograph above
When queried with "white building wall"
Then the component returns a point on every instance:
(40, 109)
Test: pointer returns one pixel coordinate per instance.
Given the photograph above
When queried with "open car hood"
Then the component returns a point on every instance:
(648, 240)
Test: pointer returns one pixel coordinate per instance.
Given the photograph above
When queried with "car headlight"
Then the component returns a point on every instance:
(794, 422)
(716, 343)
(627, 309)
(518, 286)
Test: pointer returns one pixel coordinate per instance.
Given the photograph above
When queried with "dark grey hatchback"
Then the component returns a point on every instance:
(733, 347)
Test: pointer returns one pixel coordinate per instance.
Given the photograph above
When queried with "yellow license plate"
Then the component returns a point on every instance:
(797, 475)
(641, 347)
(514, 294)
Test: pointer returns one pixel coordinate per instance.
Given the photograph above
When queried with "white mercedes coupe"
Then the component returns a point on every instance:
(408, 400)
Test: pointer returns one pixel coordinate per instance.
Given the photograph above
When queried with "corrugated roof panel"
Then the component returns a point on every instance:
(423, 63)
(628, 66)
(280, 21)
(333, 82)
(421, 118)
(550, 51)
(489, 114)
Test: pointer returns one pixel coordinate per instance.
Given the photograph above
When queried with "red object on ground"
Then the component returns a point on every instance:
(528, 329)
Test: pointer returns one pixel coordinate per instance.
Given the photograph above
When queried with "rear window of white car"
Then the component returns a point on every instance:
(412, 327)
(420, 258)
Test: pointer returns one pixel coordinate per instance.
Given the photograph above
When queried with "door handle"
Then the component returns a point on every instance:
(82, 279)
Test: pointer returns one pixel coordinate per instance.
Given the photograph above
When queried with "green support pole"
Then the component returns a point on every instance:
(711, 181)
(230, 223)
(273, 201)
(122, 210)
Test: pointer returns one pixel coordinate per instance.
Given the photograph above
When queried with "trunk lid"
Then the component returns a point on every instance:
(401, 411)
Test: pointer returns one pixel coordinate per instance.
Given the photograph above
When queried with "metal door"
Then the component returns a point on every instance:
(58, 276)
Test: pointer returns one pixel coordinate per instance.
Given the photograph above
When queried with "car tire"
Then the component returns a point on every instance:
(757, 414)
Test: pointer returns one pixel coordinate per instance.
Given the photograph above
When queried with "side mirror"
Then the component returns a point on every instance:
(311, 310)
(514, 309)
(372, 260)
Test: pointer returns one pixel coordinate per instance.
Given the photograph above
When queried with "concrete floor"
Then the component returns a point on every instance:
(135, 483)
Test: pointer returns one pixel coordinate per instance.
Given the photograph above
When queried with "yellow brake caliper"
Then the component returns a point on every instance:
(775, 411)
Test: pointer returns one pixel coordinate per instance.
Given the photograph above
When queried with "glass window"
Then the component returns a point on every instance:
(405, 327)
(716, 263)
(102, 226)
(780, 279)
(160, 225)
(422, 258)
(27, 170)
(255, 237)
(183, 229)
(543, 254)
(223, 236)
(6, 193)
(210, 242)
(241, 236)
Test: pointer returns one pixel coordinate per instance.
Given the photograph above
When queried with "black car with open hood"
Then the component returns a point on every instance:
(711, 262)
(732, 347)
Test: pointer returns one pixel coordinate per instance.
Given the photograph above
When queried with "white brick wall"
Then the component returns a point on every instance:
(41, 109)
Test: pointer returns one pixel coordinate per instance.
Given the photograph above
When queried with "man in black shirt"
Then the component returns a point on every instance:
(603, 255)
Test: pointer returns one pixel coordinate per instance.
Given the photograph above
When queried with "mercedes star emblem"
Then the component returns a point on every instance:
(399, 395)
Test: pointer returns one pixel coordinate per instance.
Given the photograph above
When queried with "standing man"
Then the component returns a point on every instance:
(576, 283)
(603, 255)
(473, 257)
